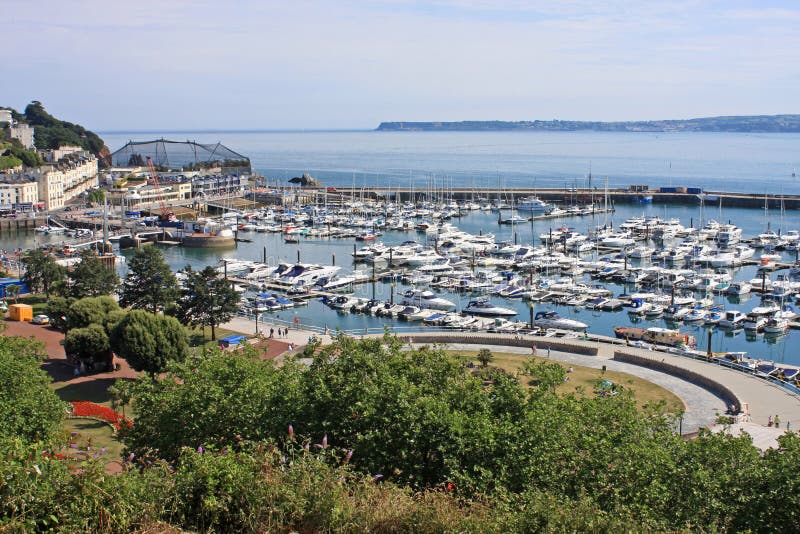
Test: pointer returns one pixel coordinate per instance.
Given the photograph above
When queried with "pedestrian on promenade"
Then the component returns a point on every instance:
(777, 422)
(548, 351)
(271, 332)
(769, 421)
(533, 350)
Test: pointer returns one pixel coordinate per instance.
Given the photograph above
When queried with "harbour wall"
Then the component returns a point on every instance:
(698, 379)
(574, 196)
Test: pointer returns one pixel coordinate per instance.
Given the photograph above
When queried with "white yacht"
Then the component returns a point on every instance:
(534, 205)
(484, 307)
(551, 319)
(732, 319)
(426, 300)
(739, 288)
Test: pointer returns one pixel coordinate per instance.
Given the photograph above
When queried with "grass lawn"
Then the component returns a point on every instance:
(585, 377)
(201, 337)
(96, 435)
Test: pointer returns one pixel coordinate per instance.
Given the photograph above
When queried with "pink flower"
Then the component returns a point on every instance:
(325, 441)
(291, 432)
(348, 456)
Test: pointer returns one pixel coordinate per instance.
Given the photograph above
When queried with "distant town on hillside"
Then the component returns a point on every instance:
(747, 123)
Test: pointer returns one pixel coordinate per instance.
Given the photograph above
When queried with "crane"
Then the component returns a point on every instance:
(166, 215)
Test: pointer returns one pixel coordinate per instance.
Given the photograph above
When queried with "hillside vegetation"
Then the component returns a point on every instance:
(376, 437)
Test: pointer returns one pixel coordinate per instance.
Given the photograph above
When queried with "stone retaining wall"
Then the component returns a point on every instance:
(698, 379)
(574, 346)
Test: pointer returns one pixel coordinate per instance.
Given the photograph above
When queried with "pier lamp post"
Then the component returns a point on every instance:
(531, 305)
(708, 352)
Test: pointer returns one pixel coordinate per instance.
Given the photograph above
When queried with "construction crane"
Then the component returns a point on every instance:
(166, 215)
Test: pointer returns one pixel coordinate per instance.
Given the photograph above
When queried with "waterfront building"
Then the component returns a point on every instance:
(18, 192)
(67, 178)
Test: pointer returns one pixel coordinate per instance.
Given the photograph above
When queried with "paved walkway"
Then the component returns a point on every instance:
(701, 405)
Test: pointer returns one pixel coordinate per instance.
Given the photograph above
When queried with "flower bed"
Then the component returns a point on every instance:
(98, 411)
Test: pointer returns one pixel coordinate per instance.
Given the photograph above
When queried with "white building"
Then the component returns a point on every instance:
(5, 116)
(18, 192)
(23, 132)
(66, 179)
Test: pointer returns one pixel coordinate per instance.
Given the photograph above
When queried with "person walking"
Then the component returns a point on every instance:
(271, 332)
(777, 422)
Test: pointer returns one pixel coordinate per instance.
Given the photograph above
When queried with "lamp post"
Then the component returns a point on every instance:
(708, 352)
(531, 305)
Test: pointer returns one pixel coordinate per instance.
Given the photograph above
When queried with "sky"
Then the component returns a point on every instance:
(197, 65)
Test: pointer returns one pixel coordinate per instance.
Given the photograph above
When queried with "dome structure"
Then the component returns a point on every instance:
(177, 155)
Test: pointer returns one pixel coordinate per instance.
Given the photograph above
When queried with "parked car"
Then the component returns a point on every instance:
(40, 319)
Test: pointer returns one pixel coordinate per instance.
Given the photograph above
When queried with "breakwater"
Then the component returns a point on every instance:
(680, 195)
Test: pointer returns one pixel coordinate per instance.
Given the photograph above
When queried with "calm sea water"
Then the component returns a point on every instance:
(716, 161)
(744, 162)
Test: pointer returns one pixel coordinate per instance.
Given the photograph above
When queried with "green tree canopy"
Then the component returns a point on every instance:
(49, 132)
(29, 409)
(58, 309)
(149, 342)
(90, 310)
(90, 342)
(150, 284)
(42, 273)
(208, 299)
(91, 278)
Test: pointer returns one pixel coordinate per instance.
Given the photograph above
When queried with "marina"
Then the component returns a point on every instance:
(453, 266)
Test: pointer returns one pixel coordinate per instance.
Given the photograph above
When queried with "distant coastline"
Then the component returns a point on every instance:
(743, 124)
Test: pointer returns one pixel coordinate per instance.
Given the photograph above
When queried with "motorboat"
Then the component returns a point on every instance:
(426, 299)
(534, 205)
(755, 322)
(732, 319)
(776, 325)
(486, 308)
(739, 288)
(551, 319)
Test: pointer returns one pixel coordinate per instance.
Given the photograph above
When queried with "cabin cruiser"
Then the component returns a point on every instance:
(739, 288)
(426, 299)
(755, 322)
(533, 204)
(304, 274)
(776, 325)
(551, 319)
(485, 307)
(619, 240)
(732, 319)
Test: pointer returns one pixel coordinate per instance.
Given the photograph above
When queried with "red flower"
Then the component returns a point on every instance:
(91, 409)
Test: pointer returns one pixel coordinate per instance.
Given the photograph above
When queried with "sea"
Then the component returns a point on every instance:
(742, 162)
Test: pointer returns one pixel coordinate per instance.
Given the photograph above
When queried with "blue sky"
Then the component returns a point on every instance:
(200, 64)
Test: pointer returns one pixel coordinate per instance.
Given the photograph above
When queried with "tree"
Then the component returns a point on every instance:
(150, 284)
(58, 311)
(12, 291)
(41, 272)
(148, 342)
(548, 376)
(91, 278)
(90, 310)
(208, 299)
(29, 408)
(96, 196)
(485, 356)
(88, 343)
